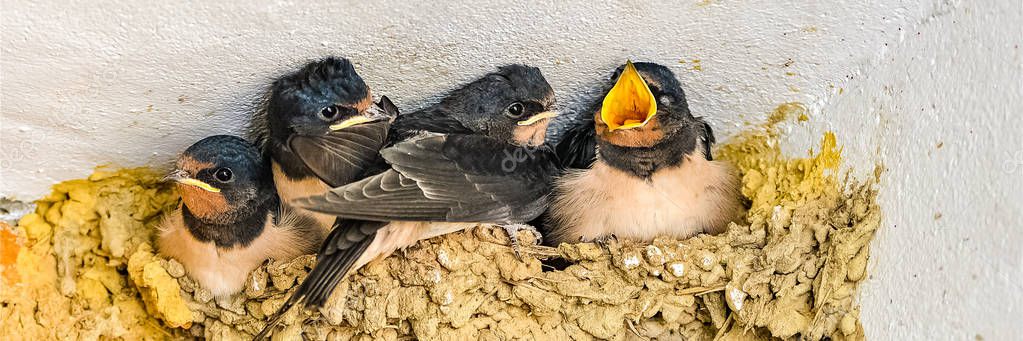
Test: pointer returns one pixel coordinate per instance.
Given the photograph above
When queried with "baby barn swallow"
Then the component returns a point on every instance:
(452, 166)
(321, 130)
(653, 173)
(476, 157)
(230, 219)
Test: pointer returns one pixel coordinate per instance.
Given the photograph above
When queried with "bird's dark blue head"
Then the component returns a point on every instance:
(321, 94)
(643, 122)
(322, 97)
(672, 107)
(643, 103)
(223, 179)
(515, 103)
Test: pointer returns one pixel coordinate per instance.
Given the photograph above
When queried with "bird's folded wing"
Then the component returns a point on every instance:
(578, 143)
(706, 137)
(342, 155)
(408, 125)
(454, 178)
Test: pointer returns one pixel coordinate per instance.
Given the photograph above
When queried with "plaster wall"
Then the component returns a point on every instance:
(943, 112)
(133, 83)
(130, 83)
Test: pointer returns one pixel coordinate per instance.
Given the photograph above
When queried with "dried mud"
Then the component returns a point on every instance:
(81, 267)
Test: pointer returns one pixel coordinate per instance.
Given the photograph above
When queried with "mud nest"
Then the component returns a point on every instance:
(81, 267)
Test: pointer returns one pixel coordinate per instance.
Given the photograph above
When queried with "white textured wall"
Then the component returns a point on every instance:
(133, 82)
(943, 110)
(128, 83)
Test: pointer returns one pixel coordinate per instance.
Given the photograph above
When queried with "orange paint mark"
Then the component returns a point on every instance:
(9, 248)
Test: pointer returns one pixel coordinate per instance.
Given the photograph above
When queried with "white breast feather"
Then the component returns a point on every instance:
(697, 196)
(224, 271)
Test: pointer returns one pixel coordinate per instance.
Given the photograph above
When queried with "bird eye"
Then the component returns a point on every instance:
(329, 113)
(223, 175)
(515, 110)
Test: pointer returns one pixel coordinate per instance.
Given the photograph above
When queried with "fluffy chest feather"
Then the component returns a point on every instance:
(696, 196)
(288, 189)
(401, 234)
(223, 271)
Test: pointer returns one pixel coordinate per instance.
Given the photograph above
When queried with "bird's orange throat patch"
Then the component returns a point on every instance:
(202, 203)
(646, 136)
(531, 135)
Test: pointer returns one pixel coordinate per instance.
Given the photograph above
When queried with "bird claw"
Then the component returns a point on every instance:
(606, 240)
(512, 231)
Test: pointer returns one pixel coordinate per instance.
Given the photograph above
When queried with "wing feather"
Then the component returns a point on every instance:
(452, 178)
(341, 156)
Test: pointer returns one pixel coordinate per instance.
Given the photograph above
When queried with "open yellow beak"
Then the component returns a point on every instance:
(354, 121)
(630, 103)
(537, 118)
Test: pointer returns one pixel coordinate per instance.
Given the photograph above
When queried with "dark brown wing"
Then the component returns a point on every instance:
(577, 147)
(342, 156)
(453, 178)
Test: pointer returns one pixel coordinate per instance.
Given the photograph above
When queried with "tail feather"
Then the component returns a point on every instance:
(347, 242)
(337, 266)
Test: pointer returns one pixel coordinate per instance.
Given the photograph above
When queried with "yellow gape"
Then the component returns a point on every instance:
(354, 121)
(197, 183)
(537, 118)
(630, 103)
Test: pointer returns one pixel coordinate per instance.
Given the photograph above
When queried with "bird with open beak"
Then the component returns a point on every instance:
(476, 157)
(321, 129)
(230, 219)
(643, 166)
